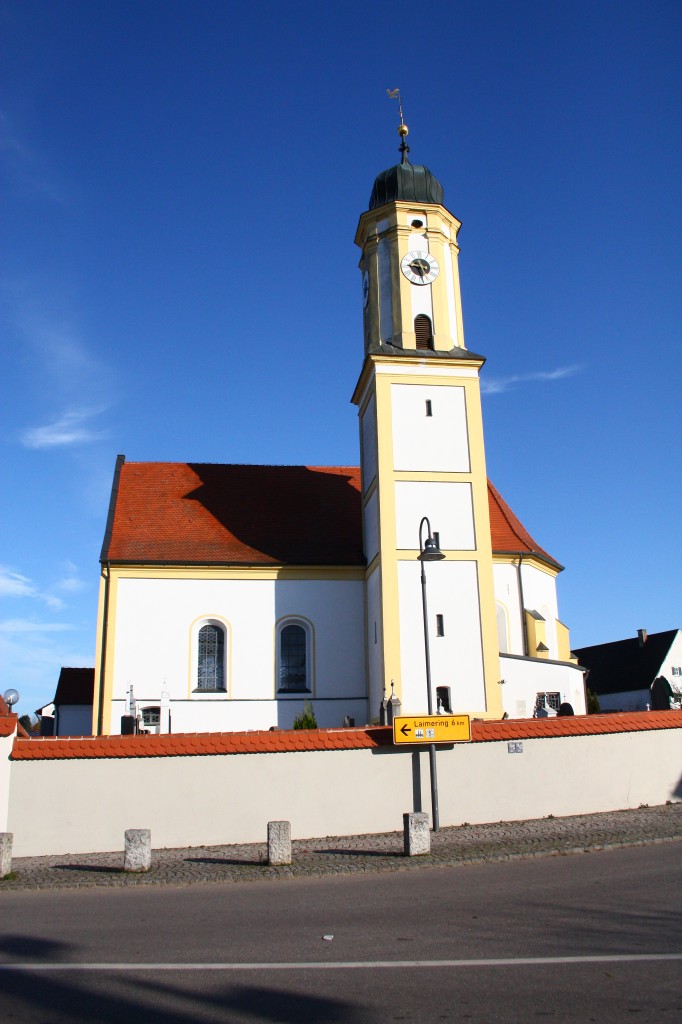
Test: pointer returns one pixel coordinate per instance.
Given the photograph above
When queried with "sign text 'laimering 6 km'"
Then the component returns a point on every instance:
(431, 729)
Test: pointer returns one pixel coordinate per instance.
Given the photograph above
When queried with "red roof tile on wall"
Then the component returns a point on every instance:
(193, 744)
(8, 723)
(201, 513)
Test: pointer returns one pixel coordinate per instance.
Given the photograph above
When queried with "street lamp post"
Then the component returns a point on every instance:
(429, 552)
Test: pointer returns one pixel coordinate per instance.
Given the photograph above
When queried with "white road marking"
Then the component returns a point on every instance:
(351, 965)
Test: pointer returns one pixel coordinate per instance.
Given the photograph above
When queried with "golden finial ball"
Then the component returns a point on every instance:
(403, 130)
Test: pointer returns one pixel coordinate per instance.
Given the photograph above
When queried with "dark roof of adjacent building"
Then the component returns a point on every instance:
(625, 665)
(75, 686)
(180, 513)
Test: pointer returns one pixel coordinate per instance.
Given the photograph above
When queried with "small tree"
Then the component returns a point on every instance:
(593, 706)
(306, 719)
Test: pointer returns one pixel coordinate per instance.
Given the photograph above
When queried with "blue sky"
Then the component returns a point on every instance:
(181, 183)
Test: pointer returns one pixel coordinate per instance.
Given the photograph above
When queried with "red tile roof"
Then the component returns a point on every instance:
(8, 723)
(193, 744)
(206, 514)
(508, 533)
(191, 513)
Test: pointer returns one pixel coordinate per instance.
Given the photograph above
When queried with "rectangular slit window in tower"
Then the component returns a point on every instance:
(440, 626)
(429, 410)
(436, 537)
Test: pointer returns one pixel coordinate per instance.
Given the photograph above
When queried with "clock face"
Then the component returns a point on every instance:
(365, 288)
(419, 267)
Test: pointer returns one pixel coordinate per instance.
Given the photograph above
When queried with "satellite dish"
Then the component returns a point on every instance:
(11, 696)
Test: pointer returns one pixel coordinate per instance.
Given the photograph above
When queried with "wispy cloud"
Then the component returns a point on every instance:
(498, 385)
(72, 428)
(70, 583)
(14, 626)
(15, 584)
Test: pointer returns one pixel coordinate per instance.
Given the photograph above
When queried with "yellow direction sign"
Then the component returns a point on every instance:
(431, 729)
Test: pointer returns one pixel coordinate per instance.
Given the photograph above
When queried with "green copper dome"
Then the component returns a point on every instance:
(406, 182)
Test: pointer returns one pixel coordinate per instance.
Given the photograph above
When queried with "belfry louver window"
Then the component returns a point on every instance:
(423, 331)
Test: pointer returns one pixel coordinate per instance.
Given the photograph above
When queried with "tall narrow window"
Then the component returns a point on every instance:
(293, 659)
(440, 625)
(423, 331)
(429, 410)
(211, 660)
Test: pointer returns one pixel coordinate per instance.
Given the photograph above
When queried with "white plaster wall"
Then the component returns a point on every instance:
(374, 644)
(505, 581)
(330, 793)
(242, 715)
(154, 642)
(75, 720)
(448, 506)
(631, 700)
(5, 769)
(436, 443)
(539, 594)
(457, 657)
(673, 660)
(368, 441)
(420, 294)
(526, 677)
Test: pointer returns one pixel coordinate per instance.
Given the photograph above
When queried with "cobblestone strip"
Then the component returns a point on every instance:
(464, 844)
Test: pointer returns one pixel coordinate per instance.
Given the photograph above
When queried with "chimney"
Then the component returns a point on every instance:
(641, 636)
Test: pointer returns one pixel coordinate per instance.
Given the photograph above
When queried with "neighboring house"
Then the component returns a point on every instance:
(621, 673)
(231, 594)
(70, 713)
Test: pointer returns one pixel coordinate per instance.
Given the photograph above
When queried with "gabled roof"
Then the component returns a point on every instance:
(75, 686)
(625, 665)
(509, 536)
(181, 513)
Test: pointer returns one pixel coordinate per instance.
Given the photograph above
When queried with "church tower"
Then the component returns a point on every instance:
(422, 454)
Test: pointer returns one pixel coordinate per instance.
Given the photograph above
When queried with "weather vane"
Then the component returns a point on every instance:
(403, 130)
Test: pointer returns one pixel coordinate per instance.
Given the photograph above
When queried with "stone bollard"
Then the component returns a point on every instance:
(138, 849)
(416, 835)
(6, 853)
(279, 842)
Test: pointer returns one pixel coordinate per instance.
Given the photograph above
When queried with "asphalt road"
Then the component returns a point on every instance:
(592, 937)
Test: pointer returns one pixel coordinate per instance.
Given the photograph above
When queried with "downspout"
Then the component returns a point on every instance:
(524, 625)
(103, 654)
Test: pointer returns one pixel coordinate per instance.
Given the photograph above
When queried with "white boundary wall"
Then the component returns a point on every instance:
(82, 806)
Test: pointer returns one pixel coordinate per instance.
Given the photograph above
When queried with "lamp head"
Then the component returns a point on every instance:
(431, 552)
(11, 697)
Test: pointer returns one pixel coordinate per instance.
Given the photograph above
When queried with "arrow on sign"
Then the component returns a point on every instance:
(405, 729)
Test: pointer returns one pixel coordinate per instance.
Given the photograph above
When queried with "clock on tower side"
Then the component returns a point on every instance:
(422, 454)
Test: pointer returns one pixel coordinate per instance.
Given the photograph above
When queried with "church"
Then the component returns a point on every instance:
(231, 595)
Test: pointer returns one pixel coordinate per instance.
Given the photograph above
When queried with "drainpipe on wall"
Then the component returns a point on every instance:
(524, 626)
(103, 655)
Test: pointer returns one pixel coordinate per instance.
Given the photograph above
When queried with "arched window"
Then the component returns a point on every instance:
(211, 658)
(293, 661)
(423, 331)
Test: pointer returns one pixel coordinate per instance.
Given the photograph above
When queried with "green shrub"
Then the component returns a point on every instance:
(306, 719)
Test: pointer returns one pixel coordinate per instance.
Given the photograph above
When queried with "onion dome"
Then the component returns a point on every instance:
(406, 182)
